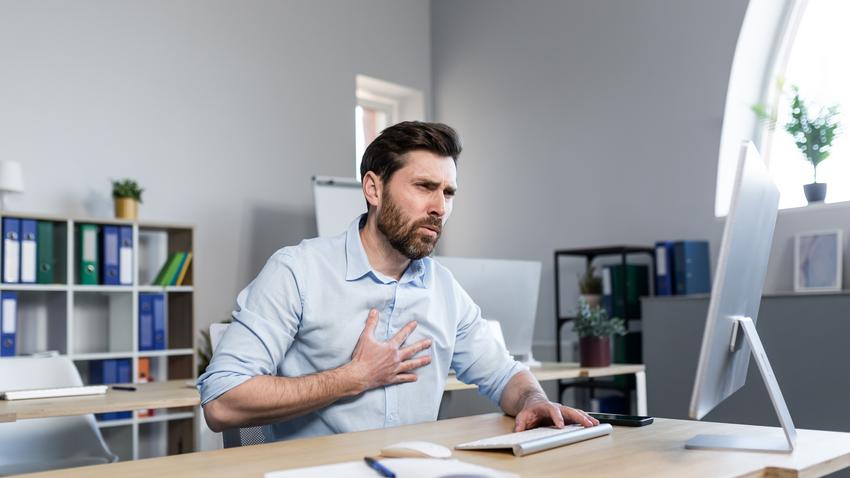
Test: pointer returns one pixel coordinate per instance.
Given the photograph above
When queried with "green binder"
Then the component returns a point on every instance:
(87, 254)
(172, 269)
(44, 251)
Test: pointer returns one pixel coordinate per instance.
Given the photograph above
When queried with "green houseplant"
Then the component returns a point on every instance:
(594, 329)
(590, 286)
(127, 195)
(813, 136)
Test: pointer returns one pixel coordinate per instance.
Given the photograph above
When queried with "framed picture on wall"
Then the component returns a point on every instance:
(818, 261)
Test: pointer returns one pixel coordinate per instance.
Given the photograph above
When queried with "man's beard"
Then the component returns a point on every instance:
(403, 233)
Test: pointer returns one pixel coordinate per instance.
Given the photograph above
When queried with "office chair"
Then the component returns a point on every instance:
(243, 436)
(42, 444)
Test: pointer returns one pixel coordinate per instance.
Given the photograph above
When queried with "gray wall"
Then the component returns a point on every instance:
(222, 110)
(589, 123)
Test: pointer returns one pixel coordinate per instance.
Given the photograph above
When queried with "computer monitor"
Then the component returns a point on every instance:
(506, 291)
(730, 335)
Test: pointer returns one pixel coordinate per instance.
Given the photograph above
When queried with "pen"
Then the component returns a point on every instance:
(377, 466)
(126, 389)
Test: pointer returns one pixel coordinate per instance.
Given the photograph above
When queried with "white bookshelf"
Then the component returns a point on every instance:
(99, 322)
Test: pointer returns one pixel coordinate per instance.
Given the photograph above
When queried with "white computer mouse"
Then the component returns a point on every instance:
(415, 449)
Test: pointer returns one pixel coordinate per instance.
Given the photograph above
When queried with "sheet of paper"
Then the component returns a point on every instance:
(402, 467)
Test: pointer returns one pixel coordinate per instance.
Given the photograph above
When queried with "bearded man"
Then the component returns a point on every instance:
(359, 331)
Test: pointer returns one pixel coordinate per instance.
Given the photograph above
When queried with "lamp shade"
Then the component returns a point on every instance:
(11, 177)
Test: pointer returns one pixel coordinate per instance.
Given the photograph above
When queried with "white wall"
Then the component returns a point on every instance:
(222, 110)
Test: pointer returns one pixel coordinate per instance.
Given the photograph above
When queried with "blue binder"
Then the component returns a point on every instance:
(29, 254)
(159, 338)
(664, 267)
(691, 267)
(8, 322)
(124, 374)
(146, 322)
(11, 250)
(104, 372)
(125, 255)
(109, 260)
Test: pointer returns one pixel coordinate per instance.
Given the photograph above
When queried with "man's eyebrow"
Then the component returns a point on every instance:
(434, 184)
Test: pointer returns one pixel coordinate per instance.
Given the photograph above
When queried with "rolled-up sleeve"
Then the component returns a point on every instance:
(478, 357)
(265, 322)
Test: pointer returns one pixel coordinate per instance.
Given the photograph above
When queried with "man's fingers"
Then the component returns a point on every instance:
(524, 421)
(555, 415)
(404, 378)
(414, 349)
(371, 323)
(578, 416)
(402, 334)
(409, 365)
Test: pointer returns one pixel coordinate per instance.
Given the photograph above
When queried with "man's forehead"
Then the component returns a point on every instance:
(429, 166)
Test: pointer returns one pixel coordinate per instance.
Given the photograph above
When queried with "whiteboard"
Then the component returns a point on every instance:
(338, 201)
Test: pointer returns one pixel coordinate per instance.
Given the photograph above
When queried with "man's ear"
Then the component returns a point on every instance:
(372, 188)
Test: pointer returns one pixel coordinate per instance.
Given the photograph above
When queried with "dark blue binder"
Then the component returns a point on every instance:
(124, 374)
(664, 267)
(8, 322)
(11, 250)
(29, 251)
(125, 255)
(692, 274)
(146, 322)
(159, 339)
(104, 372)
(109, 261)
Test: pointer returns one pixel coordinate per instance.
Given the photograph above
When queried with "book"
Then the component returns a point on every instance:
(185, 267)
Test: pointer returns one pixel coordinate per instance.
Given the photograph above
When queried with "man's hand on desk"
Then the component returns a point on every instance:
(538, 411)
(376, 364)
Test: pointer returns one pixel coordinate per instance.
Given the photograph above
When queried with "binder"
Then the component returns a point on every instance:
(184, 257)
(159, 338)
(691, 267)
(109, 256)
(11, 250)
(29, 247)
(184, 269)
(9, 318)
(87, 254)
(171, 269)
(46, 262)
(664, 267)
(125, 255)
(145, 322)
(123, 374)
(108, 371)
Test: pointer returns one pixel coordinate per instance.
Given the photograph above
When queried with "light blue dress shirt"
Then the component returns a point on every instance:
(306, 310)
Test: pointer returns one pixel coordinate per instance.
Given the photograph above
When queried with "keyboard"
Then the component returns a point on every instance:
(538, 439)
(54, 392)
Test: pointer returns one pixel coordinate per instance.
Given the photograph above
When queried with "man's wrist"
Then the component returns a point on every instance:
(349, 380)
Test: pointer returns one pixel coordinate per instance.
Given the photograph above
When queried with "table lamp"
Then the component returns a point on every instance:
(11, 180)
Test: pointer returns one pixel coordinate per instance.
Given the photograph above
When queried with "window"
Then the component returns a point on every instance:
(817, 64)
(381, 104)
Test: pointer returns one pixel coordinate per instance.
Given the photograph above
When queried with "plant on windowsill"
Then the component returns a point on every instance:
(813, 136)
(127, 195)
(590, 286)
(594, 330)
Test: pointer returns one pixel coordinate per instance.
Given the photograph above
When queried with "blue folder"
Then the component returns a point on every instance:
(125, 255)
(109, 261)
(159, 338)
(11, 250)
(146, 322)
(29, 251)
(664, 267)
(124, 374)
(691, 265)
(104, 372)
(8, 325)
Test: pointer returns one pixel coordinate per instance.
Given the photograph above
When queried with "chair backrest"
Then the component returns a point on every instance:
(47, 443)
(234, 437)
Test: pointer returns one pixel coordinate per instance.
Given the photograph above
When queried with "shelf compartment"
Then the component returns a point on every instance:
(102, 322)
(42, 322)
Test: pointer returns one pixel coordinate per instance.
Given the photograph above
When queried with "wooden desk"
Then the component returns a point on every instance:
(655, 450)
(170, 394)
(566, 370)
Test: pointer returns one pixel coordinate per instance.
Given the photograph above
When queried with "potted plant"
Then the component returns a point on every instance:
(813, 136)
(127, 195)
(590, 286)
(594, 330)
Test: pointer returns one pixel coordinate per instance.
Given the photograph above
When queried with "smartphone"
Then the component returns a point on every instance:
(622, 420)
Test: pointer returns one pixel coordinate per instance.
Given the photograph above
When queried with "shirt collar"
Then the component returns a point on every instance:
(357, 263)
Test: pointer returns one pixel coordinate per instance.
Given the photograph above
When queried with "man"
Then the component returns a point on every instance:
(299, 355)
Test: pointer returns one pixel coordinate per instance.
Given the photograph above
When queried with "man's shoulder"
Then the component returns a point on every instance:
(313, 250)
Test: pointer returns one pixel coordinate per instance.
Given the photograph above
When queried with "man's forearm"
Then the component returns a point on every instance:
(266, 399)
(521, 388)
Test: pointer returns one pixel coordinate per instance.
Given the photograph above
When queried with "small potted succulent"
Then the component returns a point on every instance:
(590, 286)
(813, 136)
(127, 195)
(594, 330)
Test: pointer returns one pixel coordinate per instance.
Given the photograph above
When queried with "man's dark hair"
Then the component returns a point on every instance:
(384, 155)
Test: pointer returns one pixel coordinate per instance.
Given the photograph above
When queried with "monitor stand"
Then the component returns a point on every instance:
(757, 443)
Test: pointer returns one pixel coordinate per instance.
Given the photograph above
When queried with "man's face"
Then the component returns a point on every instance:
(416, 202)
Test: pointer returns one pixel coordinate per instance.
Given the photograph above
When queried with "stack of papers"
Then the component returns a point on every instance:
(402, 467)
